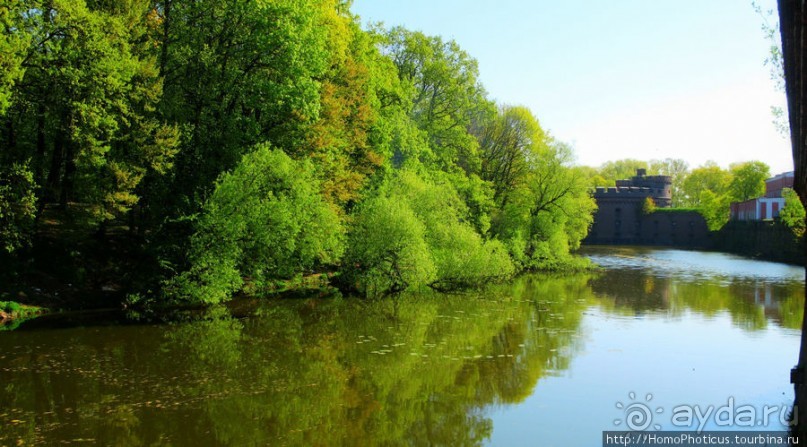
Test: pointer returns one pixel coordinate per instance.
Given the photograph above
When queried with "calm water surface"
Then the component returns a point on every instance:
(540, 361)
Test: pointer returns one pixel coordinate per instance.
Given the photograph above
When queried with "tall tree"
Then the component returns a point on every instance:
(709, 177)
(266, 219)
(550, 214)
(443, 83)
(86, 109)
(237, 73)
(347, 139)
(707, 188)
(508, 143)
(792, 17)
(14, 40)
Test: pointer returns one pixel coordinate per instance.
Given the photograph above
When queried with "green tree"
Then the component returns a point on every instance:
(387, 249)
(266, 221)
(14, 41)
(550, 215)
(714, 208)
(462, 257)
(85, 114)
(622, 169)
(237, 73)
(416, 233)
(442, 81)
(748, 180)
(595, 179)
(344, 141)
(709, 177)
(508, 142)
(707, 188)
(792, 214)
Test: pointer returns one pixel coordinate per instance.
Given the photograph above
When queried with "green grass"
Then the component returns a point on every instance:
(17, 313)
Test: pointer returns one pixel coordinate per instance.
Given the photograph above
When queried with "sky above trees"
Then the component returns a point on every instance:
(628, 78)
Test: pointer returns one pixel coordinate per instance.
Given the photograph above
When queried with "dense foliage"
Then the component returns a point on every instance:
(230, 145)
(415, 232)
(265, 220)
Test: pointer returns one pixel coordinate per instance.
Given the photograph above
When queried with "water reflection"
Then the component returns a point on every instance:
(640, 281)
(420, 369)
(692, 265)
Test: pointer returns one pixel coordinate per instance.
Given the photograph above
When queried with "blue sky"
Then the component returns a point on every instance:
(620, 78)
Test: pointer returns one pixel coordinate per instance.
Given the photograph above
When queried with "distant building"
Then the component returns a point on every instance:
(621, 217)
(767, 206)
(657, 187)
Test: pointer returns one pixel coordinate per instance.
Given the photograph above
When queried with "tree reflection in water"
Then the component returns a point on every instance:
(418, 368)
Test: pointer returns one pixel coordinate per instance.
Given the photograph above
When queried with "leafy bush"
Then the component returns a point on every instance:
(387, 249)
(465, 260)
(416, 232)
(265, 220)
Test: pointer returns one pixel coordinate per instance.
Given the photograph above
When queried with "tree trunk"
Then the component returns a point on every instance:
(41, 146)
(792, 18)
(56, 162)
(69, 175)
(792, 25)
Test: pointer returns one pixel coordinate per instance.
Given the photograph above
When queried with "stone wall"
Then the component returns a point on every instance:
(626, 224)
(768, 240)
(620, 218)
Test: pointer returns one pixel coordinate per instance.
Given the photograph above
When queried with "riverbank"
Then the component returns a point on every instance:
(13, 313)
(768, 240)
(761, 240)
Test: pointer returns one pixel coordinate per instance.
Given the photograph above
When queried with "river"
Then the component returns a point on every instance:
(543, 360)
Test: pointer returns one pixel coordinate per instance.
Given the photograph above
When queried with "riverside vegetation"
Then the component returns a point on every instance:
(186, 152)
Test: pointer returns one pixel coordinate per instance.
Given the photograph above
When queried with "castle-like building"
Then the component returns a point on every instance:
(622, 217)
(657, 187)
